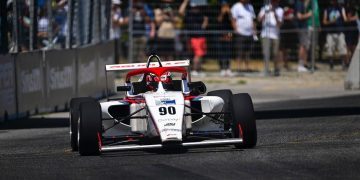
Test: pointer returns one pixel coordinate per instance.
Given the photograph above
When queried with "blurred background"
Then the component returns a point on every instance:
(59, 47)
(173, 28)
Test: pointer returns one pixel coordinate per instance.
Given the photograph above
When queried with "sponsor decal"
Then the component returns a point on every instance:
(171, 130)
(165, 101)
(30, 80)
(167, 119)
(169, 124)
(60, 78)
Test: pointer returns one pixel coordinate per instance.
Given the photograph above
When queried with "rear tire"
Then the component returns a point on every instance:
(226, 95)
(244, 124)
(89, 129)
(74, 118)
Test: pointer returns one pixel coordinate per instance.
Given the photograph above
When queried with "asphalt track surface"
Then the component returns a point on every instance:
(303, 139)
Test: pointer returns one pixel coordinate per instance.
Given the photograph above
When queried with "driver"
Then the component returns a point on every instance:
(166, 79)
(151, 82)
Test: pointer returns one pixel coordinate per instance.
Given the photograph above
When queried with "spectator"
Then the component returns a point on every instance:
(243, 16)
(60, 15)
(303, 14)
(224, 44)
(140, 35)
(117, 20)
(196, 22)
(43, 26)
(333, 20)
(164, 18)
(271, 16)
(288, 38)
(25, 22)
(351, 33)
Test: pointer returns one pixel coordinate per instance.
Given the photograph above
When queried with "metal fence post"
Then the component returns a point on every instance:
(90, 22)
(50, 28)
(267, 45)
(70, 24)
(33, 25)
(79, 23)
(314, 35)
(131, 40)
(105, 19)
(15, 33)
(96, 22)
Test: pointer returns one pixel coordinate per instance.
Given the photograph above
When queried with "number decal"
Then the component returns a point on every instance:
(163, 111)
(172, 110)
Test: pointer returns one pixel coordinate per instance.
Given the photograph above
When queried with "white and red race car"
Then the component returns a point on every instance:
(162, 109)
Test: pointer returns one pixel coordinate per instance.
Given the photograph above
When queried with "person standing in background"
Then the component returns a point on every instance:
(196, 22)
(224, 44)
(243, 17)
(351, 32)
(271, 17)
(333, 20)
(165, 21)
(288, 40)
(303, 14)
(117, 20)
(141, 20)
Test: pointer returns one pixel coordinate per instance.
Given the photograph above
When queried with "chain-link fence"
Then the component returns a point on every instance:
(196, 29)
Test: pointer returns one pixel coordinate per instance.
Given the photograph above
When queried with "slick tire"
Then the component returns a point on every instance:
(89, 129)
(74, 117)
(244, 124)
(226, 95)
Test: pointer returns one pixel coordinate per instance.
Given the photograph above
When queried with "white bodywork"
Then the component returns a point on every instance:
(166, 115)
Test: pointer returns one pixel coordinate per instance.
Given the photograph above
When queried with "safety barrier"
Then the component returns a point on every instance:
(7, 88)
(45, 81)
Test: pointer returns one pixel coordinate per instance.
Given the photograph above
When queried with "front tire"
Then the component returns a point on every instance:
(244, 124)
(74, 118)
(89, 129)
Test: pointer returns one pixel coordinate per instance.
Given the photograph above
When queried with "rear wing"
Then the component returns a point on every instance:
(124, 67)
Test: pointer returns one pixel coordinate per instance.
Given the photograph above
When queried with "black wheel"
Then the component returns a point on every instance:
(244, 125)
(226, 95)
(89, 129)
(74, 117)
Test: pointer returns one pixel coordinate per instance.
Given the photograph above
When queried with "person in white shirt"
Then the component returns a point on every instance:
(271, 17)
(117, 20)
(243, 16)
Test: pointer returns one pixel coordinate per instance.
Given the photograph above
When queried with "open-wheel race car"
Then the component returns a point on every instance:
(162, 108)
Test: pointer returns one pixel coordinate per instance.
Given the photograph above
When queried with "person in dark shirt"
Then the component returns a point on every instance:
(289, 39)
(333, 20)
(224, 44)
(351, 33)
(303, 14)
(141, 20)
(196, 22)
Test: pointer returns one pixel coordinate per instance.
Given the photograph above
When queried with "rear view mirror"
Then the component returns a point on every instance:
(123, 88)
(197, 88)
